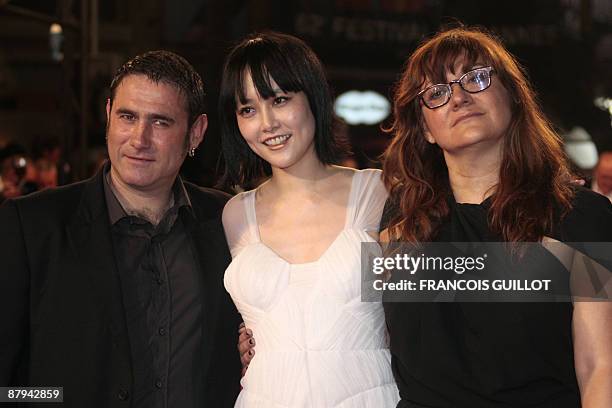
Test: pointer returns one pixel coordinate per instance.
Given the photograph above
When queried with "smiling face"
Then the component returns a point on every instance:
(148, 135)
(279, 129)
(469, 119)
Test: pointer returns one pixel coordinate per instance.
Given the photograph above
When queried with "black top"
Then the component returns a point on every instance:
(160, 287)
(455, 355)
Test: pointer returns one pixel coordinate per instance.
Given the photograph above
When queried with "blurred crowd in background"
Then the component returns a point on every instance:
(23, 172)
(57, 58)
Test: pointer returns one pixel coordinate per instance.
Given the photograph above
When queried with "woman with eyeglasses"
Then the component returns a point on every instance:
(474, 159)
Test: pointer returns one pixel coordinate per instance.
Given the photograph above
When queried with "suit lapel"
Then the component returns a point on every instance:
(212, 257)
(90, 237)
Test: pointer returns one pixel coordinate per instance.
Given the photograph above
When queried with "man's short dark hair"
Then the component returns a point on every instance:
(170, 68)
(295, 68)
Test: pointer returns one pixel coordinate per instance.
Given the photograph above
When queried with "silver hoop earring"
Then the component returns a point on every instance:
(192, 152)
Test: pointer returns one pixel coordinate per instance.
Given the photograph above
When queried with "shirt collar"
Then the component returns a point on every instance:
(116, 210)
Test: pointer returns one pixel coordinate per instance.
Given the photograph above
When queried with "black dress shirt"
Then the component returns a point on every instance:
(160, 287)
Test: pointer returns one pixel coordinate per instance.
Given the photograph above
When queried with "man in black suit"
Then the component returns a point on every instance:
(113, 287)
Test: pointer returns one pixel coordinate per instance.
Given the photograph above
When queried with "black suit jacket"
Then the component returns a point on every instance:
(62, 321)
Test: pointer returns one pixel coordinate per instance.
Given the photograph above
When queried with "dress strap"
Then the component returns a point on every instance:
(251, 215)
(367, 200)
(351, 204)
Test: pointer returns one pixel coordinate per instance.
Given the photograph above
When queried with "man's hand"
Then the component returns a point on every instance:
(246, 346)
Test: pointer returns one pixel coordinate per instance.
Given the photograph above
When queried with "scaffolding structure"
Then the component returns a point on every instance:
(80, 44)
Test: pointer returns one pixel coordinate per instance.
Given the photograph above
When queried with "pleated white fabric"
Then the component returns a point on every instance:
(318, 345)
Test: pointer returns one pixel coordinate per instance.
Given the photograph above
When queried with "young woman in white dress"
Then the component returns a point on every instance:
(296, 239)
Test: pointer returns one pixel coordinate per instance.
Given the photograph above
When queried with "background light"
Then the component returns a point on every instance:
(362, 108)
(56, 37)
(580, 148)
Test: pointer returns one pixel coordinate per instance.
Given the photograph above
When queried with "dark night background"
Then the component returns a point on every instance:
(566, 46)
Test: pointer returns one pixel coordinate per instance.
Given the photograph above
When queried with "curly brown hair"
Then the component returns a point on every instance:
(534, 186)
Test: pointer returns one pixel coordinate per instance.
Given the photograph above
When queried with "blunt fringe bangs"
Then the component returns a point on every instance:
(295, 68)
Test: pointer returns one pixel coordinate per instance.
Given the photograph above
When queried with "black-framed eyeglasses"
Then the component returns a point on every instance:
(473, 81)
